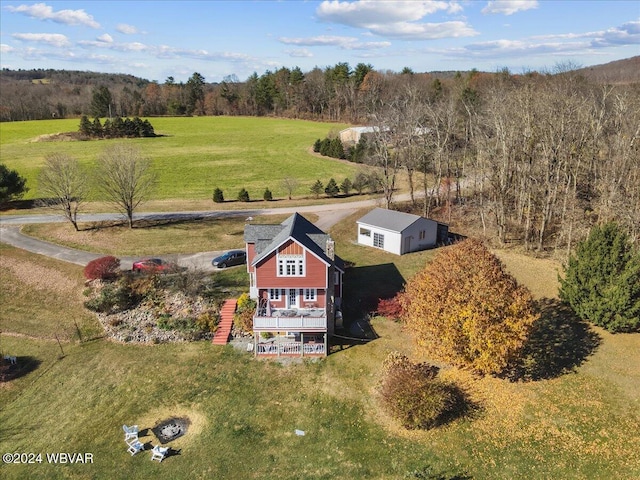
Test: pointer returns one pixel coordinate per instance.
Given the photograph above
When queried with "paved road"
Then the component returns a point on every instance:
(328, 215)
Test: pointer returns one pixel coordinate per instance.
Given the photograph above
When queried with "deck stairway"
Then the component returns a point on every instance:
(221, 337)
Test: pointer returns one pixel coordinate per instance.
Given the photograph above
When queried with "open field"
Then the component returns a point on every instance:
(579, 425)
(194, 155)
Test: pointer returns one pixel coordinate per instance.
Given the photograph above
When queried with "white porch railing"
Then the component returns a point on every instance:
(290, 323)
(290, 348)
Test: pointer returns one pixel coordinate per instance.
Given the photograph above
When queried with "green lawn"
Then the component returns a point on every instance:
(194, 155)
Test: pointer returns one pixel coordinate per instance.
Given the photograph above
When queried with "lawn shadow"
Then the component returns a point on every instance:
(364, 286)
(428, 473)
(559, 344)
(18, 205)
(21, 367)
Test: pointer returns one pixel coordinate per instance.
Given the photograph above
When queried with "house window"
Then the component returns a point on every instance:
(365, 232)
(378, 240)
(291, 266)
(422, 234)
(336, 278)
(310, 295)
(274, 294)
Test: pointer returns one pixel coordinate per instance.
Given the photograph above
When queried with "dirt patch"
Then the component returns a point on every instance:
(39, 277)
(61, 137)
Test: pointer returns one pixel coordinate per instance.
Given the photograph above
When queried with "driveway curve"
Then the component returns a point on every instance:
(328, 215)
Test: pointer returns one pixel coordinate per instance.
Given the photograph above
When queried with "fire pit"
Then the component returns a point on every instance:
(170, 429)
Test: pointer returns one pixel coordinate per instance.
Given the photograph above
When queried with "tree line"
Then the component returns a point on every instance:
(536, 158)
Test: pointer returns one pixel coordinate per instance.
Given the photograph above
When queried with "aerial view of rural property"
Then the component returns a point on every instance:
(322, 239)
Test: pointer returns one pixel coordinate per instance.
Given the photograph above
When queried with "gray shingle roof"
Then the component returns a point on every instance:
(268, 237)
(389, 219)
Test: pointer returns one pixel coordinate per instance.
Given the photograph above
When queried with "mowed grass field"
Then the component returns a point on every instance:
(194, 155)
(244, 412)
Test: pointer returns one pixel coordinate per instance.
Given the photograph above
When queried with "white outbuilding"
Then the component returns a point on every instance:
(397, 232)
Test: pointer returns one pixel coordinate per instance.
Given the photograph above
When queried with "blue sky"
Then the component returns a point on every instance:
(158, 39)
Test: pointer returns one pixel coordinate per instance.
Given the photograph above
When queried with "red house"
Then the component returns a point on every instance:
(296, 280)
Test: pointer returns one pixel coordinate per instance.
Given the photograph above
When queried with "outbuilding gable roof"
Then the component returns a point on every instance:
(390, 219)
(268, 238)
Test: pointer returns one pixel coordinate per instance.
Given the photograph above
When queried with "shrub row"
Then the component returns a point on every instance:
(116, 128)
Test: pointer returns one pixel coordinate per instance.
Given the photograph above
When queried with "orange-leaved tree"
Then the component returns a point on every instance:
(463, 308)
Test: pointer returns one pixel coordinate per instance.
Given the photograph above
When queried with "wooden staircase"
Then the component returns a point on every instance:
(221, 337)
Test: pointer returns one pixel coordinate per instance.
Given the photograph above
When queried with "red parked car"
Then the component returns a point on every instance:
(153, 265)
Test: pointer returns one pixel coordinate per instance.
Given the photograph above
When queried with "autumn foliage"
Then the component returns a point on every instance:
(463, 308)
(411, 393)
(103, 268)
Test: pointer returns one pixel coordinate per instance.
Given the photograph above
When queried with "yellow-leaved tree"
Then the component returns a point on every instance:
(464, 309)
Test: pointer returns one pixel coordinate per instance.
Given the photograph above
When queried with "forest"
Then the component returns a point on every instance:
(533, 158)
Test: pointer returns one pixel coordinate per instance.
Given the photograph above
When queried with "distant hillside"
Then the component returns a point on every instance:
(620, 72)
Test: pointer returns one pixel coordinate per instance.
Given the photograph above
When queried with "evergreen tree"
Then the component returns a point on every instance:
(346, 186)
(267, 196)
(316, 145)
(332, 188)
(243, 195)
(96, 128)
(100, 102)
(336, 150)
(85, 126)
(317, 188)
(602, 281)
(325, 147)
(12, 185)
(218, 196)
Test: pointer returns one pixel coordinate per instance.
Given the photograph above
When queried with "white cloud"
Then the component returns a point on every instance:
(574, 44)
(54, 39)
(509, 7)
(626, 34)
(346, 43)
(111, 45)
(106, 38)
(426, 31)
(4, 48)
(396, 18)
(299, 53)
(126, 29)
(42, 11)
(365, 12)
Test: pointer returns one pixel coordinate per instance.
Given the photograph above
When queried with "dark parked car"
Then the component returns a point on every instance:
(230, 258)
(154, 265)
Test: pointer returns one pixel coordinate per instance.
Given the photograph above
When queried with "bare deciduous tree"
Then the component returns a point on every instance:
(125, 178)
(290, 185)
(64, 186)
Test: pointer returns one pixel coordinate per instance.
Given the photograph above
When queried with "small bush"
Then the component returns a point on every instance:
(243, 318)
(390, 307)
(103, 268)
(218, 196)
(413, 396)
(208, 322)
(112, 297)
(268, 196)
(243, 195)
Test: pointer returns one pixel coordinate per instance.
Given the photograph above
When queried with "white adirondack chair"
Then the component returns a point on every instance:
(130, 433)
(135, 447)
(158, 453)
